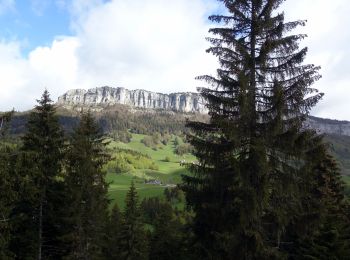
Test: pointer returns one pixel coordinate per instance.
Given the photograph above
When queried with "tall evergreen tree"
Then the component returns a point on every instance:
(8, 192)
(8, 197)
(113, 234)
(133, 244)
(39, 221)
(244, 190)
(325, 211)
(87, 189)
(167, 238)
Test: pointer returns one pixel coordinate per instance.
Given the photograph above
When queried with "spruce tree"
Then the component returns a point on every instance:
(7, 179)
(113, 234)
(8, 198)
(39, 223)
(133, 244)
(325, 210)
(87, 189)
(167, 238)
(244, 190)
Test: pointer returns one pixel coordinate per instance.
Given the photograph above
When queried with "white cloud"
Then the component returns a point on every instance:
(156, 45)
(6, 5)
(159, 45)
(328, 43)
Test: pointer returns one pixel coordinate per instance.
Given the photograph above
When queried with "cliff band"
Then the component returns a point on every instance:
(105, 96)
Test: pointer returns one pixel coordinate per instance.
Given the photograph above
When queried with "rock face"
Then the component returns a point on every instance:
(107, 96)
(329, 126)
(178, 102)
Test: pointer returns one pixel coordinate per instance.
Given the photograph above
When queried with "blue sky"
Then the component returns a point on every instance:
(34, 23)
(158, 45)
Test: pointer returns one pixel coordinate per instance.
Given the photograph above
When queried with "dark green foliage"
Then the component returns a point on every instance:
(7, 188)
(113, 234)
(87, 189)
(8, 198)
(174, 195)
(325, 210)
(42, 191)
(245, 188)
(168, 237)
(150, 208)
(133, 243)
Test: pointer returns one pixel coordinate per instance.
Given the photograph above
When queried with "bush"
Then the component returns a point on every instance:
(183, 149)
(128, 160)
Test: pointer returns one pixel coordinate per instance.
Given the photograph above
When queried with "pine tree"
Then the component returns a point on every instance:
(87, 189)
(113, 234)
(133, 244)
(8, 197)
(244, 189)
(39, 221)
(325, 211)
(7, 187)
(167, 239)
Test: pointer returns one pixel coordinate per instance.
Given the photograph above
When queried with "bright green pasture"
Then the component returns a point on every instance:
(119, 186)
(169, 172)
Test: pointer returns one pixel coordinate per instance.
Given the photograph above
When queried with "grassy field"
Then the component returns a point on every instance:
(169, 172)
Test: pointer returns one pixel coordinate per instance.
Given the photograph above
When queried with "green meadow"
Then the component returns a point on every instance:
(165, 163)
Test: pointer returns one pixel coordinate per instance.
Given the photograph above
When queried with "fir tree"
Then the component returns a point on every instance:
(325, 211)
(87, 189)
(7, 180)
(113, 234)
(8, 198)
(167, 239)
(244, 190)
(39, 224)
(133, 244)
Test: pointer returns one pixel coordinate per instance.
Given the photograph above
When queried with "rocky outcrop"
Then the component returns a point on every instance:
(329, 126)
(98, 98)
(107, 96)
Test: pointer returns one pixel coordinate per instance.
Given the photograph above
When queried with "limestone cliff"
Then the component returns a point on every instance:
(98, 98)
(329, 126)
(107, 96)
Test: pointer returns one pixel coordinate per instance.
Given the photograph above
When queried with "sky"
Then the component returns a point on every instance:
(157, 45)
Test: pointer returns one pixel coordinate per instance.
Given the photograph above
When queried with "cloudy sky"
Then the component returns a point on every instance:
(156, 45)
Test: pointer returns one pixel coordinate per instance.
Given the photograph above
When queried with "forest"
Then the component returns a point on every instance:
(259, 185)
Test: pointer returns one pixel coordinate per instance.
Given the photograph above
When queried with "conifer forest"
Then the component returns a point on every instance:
(250, 180)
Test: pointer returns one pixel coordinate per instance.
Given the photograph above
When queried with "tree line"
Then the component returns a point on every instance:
(54, 199)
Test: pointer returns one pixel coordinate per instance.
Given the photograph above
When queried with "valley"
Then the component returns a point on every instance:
(167, 169)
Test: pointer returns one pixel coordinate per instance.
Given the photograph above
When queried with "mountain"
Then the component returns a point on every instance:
(107, 96)
(329, 126)
(146, 112)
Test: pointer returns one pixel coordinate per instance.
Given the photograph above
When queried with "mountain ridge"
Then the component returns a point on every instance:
(187, 102)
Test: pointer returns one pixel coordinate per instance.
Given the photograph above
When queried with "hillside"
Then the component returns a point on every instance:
(158, 164)
(116, 118)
